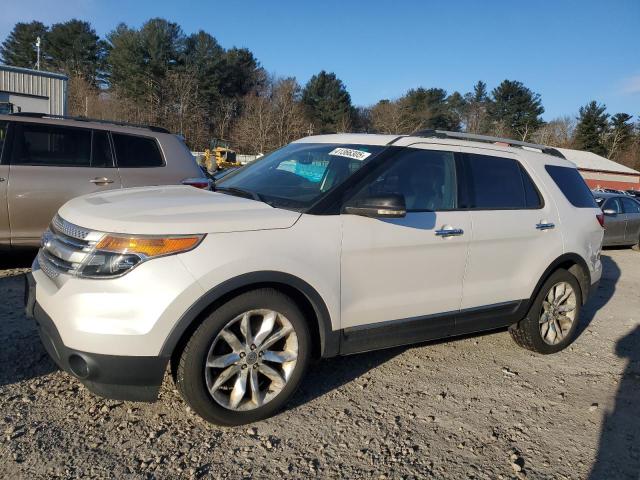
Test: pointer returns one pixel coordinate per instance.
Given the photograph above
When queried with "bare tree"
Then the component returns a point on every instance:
(556, 133)
(391, 117)
(271, 118)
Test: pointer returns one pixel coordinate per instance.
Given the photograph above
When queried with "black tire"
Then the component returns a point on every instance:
(526, 333)
(190, 371)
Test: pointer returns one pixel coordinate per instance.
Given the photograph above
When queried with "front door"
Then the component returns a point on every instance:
(49, 166)
(401, 279)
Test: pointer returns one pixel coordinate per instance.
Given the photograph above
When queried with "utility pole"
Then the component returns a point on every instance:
(38, 53)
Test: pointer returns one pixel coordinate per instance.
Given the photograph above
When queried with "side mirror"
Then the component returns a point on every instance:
(379, 206)
(610, 212)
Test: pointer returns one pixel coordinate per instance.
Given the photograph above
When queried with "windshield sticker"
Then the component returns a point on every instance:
(350, 153)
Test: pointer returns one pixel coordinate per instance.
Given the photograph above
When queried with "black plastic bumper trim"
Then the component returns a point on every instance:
(112, 376)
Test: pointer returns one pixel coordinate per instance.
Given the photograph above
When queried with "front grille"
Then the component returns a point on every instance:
(65, 247)
(69, 229)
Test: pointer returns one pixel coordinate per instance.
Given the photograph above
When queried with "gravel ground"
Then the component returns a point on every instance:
(476, 407)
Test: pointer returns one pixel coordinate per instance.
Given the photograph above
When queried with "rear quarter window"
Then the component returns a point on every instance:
(572, 185)
(137, 152)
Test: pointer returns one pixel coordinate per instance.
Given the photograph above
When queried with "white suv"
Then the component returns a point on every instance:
(332, 245)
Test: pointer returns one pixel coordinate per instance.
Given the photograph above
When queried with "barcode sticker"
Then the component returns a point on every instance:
(350, 153)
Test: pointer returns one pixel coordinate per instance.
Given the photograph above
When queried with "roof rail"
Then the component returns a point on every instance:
(86, 119)
(488, 139)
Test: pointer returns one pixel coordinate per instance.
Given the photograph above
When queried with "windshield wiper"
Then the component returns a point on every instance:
(240, 192)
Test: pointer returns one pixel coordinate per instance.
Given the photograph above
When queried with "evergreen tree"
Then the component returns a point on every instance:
(515, 110)
(140, 60)
(206, 59)
(428, 108)
(19, 48)
(241, 73)
(592, 128)
(327, 103)
(74, 49)
(620, 134)
(475, 112)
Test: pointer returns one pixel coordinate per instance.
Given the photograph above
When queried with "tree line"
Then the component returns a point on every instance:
(190, 84)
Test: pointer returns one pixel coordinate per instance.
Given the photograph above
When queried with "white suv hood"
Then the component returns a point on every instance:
(172, 210)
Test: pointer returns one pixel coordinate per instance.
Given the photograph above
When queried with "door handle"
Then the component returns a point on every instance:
(449, 232)
(2, 179)
(101, 180)
(545, 226)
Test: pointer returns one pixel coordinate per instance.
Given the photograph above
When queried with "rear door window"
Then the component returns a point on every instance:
(613, 204)
(50, 145)
(133, 151)
(630, 206)
(572, 185)
(498, 183)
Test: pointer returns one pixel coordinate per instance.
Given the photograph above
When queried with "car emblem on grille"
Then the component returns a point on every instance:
(47, 236)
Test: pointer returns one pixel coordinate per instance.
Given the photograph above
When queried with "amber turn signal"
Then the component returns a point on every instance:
(148, 246)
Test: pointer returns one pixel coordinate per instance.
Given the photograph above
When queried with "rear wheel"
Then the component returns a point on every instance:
(246, 359)
(552, 320)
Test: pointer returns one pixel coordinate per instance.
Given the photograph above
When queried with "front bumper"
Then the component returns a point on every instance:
(119, 377)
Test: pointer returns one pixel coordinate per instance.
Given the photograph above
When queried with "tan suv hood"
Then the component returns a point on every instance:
(173, 210)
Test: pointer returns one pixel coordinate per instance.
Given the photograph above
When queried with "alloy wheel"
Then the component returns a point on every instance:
(251, 360)
(558, 313)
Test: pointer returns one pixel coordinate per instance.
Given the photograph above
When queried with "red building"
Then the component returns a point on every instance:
(602, 172)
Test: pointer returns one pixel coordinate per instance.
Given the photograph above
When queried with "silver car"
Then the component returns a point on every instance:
(621, 219)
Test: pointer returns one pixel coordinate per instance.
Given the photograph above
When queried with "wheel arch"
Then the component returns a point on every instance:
(326, 342)
(576, 265)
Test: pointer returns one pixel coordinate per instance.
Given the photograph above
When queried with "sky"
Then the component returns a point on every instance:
(568, 51)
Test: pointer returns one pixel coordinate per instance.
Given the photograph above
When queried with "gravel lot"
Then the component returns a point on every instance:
(477, 407)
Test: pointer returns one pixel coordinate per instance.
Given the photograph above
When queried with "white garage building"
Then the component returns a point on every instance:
(33, 90)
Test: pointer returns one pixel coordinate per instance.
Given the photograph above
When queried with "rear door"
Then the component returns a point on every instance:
(140, 161)
(4, 182)
(516, 233)
(632, 214)
(614, 221)
(51, 164)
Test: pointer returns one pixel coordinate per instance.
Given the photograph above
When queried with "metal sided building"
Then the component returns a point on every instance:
(33, 90)
(598, 171)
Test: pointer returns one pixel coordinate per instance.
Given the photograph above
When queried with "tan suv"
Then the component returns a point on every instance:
(45, 161)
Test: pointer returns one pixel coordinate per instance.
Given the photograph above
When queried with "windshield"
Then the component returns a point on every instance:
(298, 175)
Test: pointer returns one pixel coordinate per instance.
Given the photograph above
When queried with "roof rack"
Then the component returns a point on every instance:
(86, 119)
(488, 139)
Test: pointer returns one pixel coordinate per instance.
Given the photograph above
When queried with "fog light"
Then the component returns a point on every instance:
(78, 366)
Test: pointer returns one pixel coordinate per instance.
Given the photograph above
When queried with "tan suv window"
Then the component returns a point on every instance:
(47, 145)
(136, 152)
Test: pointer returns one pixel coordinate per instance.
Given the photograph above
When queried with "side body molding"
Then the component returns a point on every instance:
(329, 339)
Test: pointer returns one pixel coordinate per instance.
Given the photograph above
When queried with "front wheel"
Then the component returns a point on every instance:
(246, 359)
(552, 320)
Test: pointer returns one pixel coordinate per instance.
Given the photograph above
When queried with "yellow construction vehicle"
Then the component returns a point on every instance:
(219, 156)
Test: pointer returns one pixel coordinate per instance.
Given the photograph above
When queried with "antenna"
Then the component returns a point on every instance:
(38, 53)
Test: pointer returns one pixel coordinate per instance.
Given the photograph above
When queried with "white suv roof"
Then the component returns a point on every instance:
(436, 137)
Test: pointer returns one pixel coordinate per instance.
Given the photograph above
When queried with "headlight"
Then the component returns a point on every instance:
(114, 255)
(79, 252)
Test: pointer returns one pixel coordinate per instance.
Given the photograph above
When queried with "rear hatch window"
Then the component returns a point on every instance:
(572, 185)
